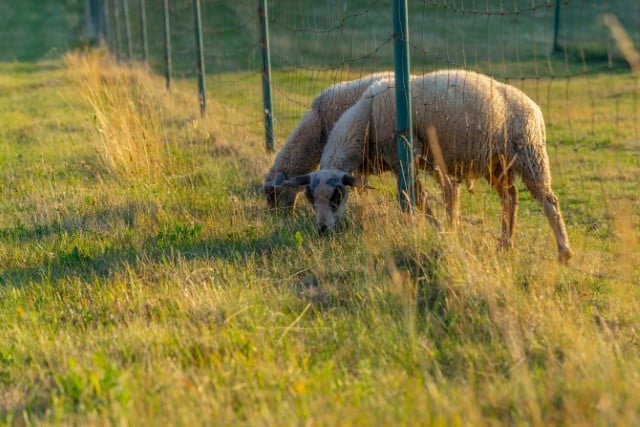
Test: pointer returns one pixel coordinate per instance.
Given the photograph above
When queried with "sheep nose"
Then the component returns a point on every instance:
(322, 229)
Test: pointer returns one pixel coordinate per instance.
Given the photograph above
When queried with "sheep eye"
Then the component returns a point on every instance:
(337, 197)
(309, 194)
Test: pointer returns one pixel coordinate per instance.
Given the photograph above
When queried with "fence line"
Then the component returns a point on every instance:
(542, 46)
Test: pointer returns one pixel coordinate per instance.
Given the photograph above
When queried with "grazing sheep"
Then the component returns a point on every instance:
(479, 126)
(302, 151)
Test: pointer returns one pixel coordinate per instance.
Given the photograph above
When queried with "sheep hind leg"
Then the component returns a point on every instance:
(551, 207)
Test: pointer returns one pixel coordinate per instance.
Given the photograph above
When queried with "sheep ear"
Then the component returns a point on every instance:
(271, 185)
(298, 180)
(267, 187)
(352, 181)
(279, 179)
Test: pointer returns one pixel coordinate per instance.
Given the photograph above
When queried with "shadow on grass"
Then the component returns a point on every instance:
(170, 243)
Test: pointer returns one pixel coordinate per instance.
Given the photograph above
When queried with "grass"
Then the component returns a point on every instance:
(126, 288)
(143, 281)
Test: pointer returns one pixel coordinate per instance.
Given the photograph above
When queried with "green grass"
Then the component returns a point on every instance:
(156, 288)
(122, 292)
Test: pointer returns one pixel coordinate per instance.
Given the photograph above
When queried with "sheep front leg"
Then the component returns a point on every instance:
(509, 198)
(451, 192)
(502, 178)
(421, 202)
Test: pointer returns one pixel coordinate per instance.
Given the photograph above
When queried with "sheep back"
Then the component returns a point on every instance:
(476, 119)
(348, 143)
(335, 100)
(303, 148)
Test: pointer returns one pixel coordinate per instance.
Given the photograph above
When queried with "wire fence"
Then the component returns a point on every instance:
(542, 46)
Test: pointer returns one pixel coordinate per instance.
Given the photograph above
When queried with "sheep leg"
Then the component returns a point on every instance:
(536, 177)
(421, 202)
(451, 193)
(421, 197)
(552, 211)
(551, 207)
(509, 197)
(501, 177)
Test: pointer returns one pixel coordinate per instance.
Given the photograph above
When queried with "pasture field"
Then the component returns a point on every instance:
(143, 279)
(144, 282)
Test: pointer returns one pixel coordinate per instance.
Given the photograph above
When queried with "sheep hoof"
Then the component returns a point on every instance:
(505, 245)
(471, 186)
(434, 221)
(564, 254)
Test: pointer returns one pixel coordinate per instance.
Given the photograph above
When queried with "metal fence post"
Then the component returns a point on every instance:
(127, 29)
(104, 25)
(143, 31)
(167, 44)
(199, 56)
(95, 23)
(116, 26)
(556, 27)
(107, 23)
(266, 75)
(406, 174)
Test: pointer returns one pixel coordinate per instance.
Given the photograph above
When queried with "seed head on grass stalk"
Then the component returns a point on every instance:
(128, 115)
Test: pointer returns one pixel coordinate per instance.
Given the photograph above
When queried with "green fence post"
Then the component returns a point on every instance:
(167, 44)
(107, 24)
(127, 29)
(103, 30)
(406, 174)
(556, 27)
(199, 56)
(118, 30)
(103, 22)
(143, 31)
(94, 21)
(266, 74)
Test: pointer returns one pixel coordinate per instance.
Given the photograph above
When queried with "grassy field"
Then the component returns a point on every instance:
(143, 281)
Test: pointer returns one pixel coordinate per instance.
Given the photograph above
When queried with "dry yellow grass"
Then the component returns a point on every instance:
(128, 119)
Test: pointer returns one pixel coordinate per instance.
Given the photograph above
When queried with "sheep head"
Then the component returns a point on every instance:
(327, 191)
(277, 195)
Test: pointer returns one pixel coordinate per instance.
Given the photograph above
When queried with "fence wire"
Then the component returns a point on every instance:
(561, 54)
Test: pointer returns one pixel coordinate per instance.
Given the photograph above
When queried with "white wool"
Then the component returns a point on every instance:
(303, 148)
(484, 129)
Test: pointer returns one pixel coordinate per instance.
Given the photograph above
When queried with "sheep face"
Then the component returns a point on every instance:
(277, 195)
(327, 191)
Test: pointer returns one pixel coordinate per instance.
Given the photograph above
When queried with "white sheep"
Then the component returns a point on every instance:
(302, 151)
(482, 127)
